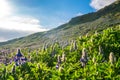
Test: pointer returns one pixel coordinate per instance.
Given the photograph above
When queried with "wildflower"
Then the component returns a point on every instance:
(57, 66)
(84, 53)
(63, 57)
(19, 58)
(84, 59)
(111, 58)
(19, 54)
(83, 62)
(59, 59)
(75, 45)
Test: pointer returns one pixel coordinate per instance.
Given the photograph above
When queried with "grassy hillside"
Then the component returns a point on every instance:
(76, 27)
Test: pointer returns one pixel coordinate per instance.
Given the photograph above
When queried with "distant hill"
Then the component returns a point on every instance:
(77, 26)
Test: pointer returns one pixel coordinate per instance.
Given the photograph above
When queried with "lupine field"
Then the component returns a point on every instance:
(89, 57)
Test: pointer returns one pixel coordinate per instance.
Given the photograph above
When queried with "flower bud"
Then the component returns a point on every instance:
(59, 59)
(63, 57)
(84, 53)
(111, 58)
(75, 45)
(83, 59)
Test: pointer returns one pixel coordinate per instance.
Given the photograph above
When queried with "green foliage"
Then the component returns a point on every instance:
(43, 61)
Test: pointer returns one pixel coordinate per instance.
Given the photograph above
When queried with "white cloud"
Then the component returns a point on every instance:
(21, 24)
(16, 23)
(98, 4)
(5, 9)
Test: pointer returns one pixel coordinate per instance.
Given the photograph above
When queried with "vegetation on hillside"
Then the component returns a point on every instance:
(92, 56)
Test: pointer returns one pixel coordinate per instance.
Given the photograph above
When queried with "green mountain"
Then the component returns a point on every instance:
(76, 27)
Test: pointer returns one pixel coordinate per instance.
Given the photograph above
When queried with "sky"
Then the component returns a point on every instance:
(20, 18)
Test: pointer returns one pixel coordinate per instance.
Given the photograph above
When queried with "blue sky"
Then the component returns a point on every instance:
(20, 18)
(52, 13)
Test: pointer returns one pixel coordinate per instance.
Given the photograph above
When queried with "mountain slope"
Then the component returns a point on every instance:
(77, 26)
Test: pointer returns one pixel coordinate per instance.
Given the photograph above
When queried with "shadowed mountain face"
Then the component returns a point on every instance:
(77, 26)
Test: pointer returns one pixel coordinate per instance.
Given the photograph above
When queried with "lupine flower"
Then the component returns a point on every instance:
(19, 58)
(84, 53)
(75, 45)
(63, 57)
(59, 59)
(111, 58)
(19, 54)
(83, 62)
(83, 59)
(57, 66)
